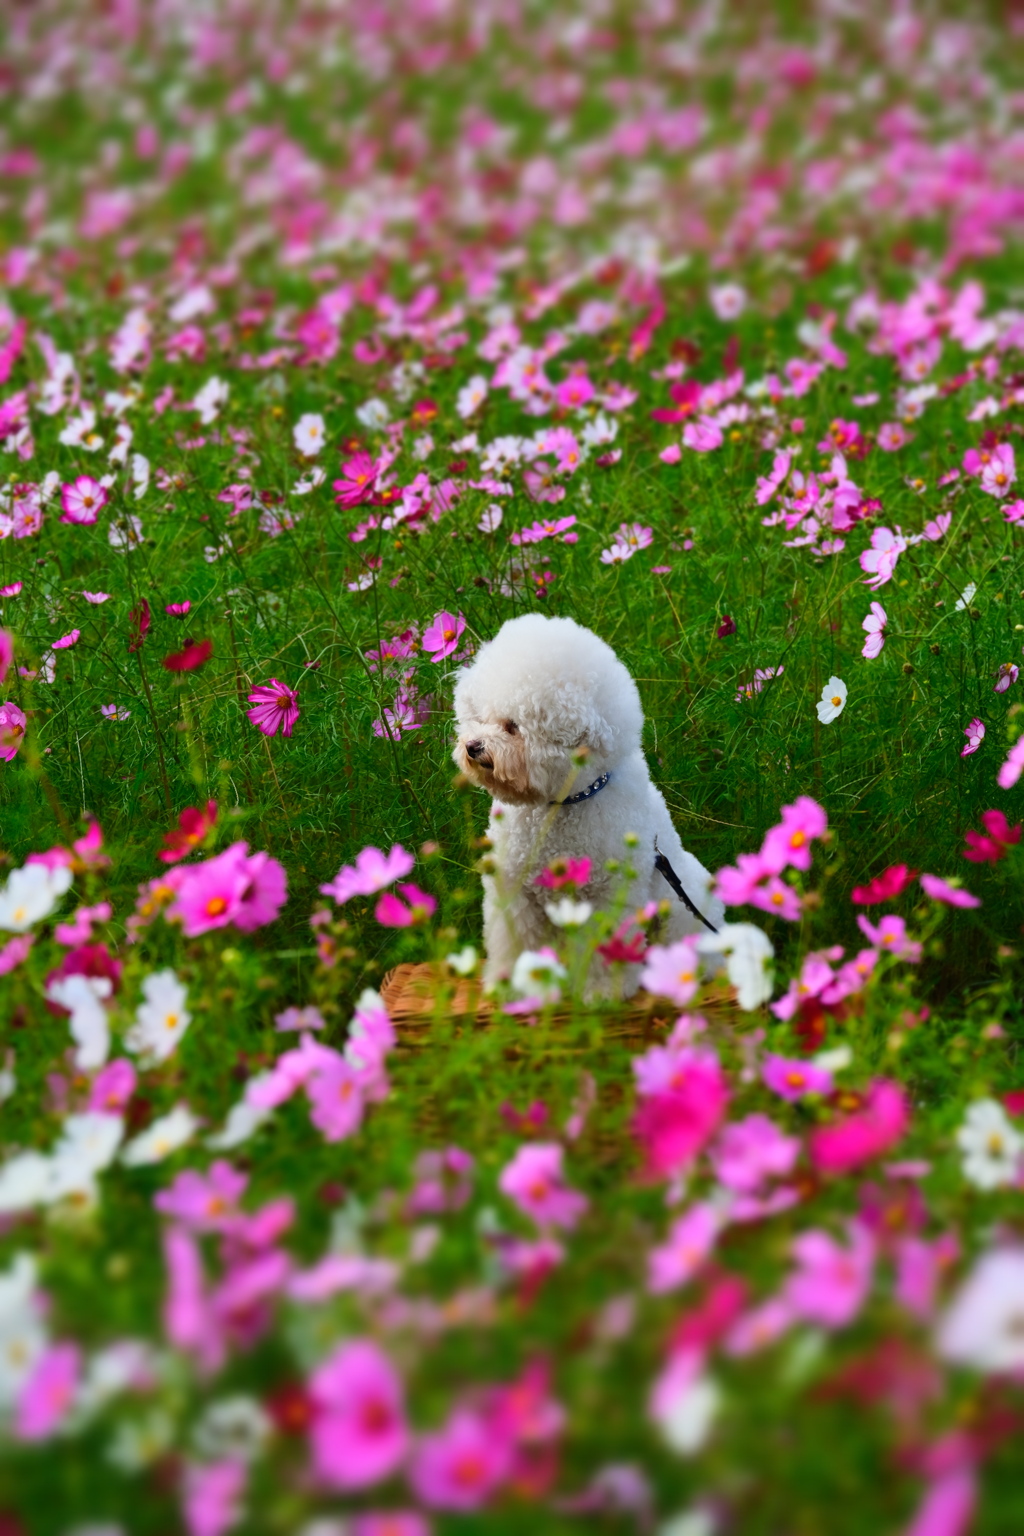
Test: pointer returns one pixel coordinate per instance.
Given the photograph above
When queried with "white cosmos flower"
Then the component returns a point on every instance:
(832, 701)
(684, 1404)
(983, 1326)
(309, 482)
(471, 396)
(83, 997)
(991, 1145)
(748, 954)
(209, 400)
(24, 1182)
(88, 1144)
(162, 1138)
(309, 434)
(537, 973)
(243, 1120)
(463, 963)
(728, 300)
(966, 597)
(568, 913)
(141, 1440)
(30, 895)
(373, 414)
(161, 1019)
(22, 1328)
(235, 1427)
(140, 475)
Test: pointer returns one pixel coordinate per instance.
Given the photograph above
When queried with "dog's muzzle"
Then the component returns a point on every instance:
(478, 753)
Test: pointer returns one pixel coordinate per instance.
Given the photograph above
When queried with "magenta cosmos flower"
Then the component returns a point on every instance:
(12, 730)
(48, 1393)
(792, 1079)
(276, 708)
(442, 638)
(236, 887)
(460, 1466)
(83, 500)
(359, 1435)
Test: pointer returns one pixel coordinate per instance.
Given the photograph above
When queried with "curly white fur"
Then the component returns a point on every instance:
(538, 693)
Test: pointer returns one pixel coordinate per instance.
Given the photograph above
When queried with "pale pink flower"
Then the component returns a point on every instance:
(936, 528)
(672, 971)
(534, 1181)
(793, 1079)
(212, 1496)
(751, 1151)
(703, 435)
(975, 733)
(1009, 772)
(879, 562)
(371, 872)
(890, 936)
(1008, 673)
(831, 1283)
(1000, 472)
(892, 436)
(47, 1394)
(949, 895)
(874, 627)
(690, 1241)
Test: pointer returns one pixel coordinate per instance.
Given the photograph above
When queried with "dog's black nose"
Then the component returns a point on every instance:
(474, 749)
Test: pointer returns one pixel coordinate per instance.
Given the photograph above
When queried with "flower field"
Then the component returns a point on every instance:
(332, 336)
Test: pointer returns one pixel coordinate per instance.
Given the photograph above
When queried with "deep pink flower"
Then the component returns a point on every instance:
(575, 872)
(276, 708)
(193, 655)
(392, 913)
(67, 641)
(674, 1122)
(1007, 674)
(831, 1283)
(12, 730)
(6, 653)
(950, 895)
(1001, 837)
(442, 636)
(789, 843)
(360, 474)
(15, 951)
(793, 1079)
(460, 1466)
(865, 1134)
(371, 872)
(534, 1181)
(390, 1522)
(884, 887)
(47, 1393)
(235, 886)
(212, 1496)
(178, 610)
(947, 1505)
(359, 1433)
(139, 621)
(83, 500)
(194, 826)
(735, 884)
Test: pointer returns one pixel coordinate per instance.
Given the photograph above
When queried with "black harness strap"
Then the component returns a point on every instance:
(663, 867)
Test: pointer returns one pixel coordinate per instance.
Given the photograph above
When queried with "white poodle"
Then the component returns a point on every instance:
(540, 693)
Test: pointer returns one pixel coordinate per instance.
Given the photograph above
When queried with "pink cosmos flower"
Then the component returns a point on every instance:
(767, 485)
(11, 590)
(672, 971)
(702, 435)
(874, 627)
(1013, 511)
(936, 528)
(462, 1465)
(6, 653)
(751, 1151)
(83, 500)
(777, 898)
(867, 1133)
(441, 638)
(884, 887)
(735, 884)
(1007, 674)
(112, 1087)
(534, 1181)
(212, 1496)
(540, 482)
(97, 597)
(831, 1283)
(276, 708)
(336, 1100)
(564, 872)
(677, 1118)
(67, 641)
(947, 1505)
(1008, 774)
(761, 676)
(390, 1522)
(359, 1434)
(12, 730)
(539, 531)
(47, 1393)
(1000, 472)
(235, 886)
(1000, 838)
(690, 1241)
(879, 562)
(949, 895)
(793, 1079)
(392, 913)
(890, 936)
(359, 480)
(789, 843)
(204, 1202)
(574, 392)
(892, 436)
(15, 951)
(371, 872)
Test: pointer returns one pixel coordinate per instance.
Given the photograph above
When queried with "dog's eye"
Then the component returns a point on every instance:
(511, 728)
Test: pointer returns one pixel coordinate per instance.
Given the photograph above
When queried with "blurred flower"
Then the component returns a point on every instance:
(1007, 674)
(47, 1395)
(831, 1282)
(12, 730)
(874, 628)
(1000, 472)
(139, 620)
(748, 954)
(865, 1134)
(996, 841)
(793, 1079)
(308, 434)
(30, 894)
(992, 1147)
(949, 895)
(1012, 767)
(164, 1137)
(194, 826)
(689, 1243)
(160, 1020)
(568, 913)
(371, 872)
(975, 733)
(441, 637)
(535, 1182)
(83, 500)
(983, 1326)
(359, 1435)
(460, 1466)
(672, 971)
(393, 913)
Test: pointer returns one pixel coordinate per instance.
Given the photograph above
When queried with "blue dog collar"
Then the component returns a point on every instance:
(584, 794)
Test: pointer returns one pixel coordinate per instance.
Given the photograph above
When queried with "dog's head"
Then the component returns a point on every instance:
(540, 692)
